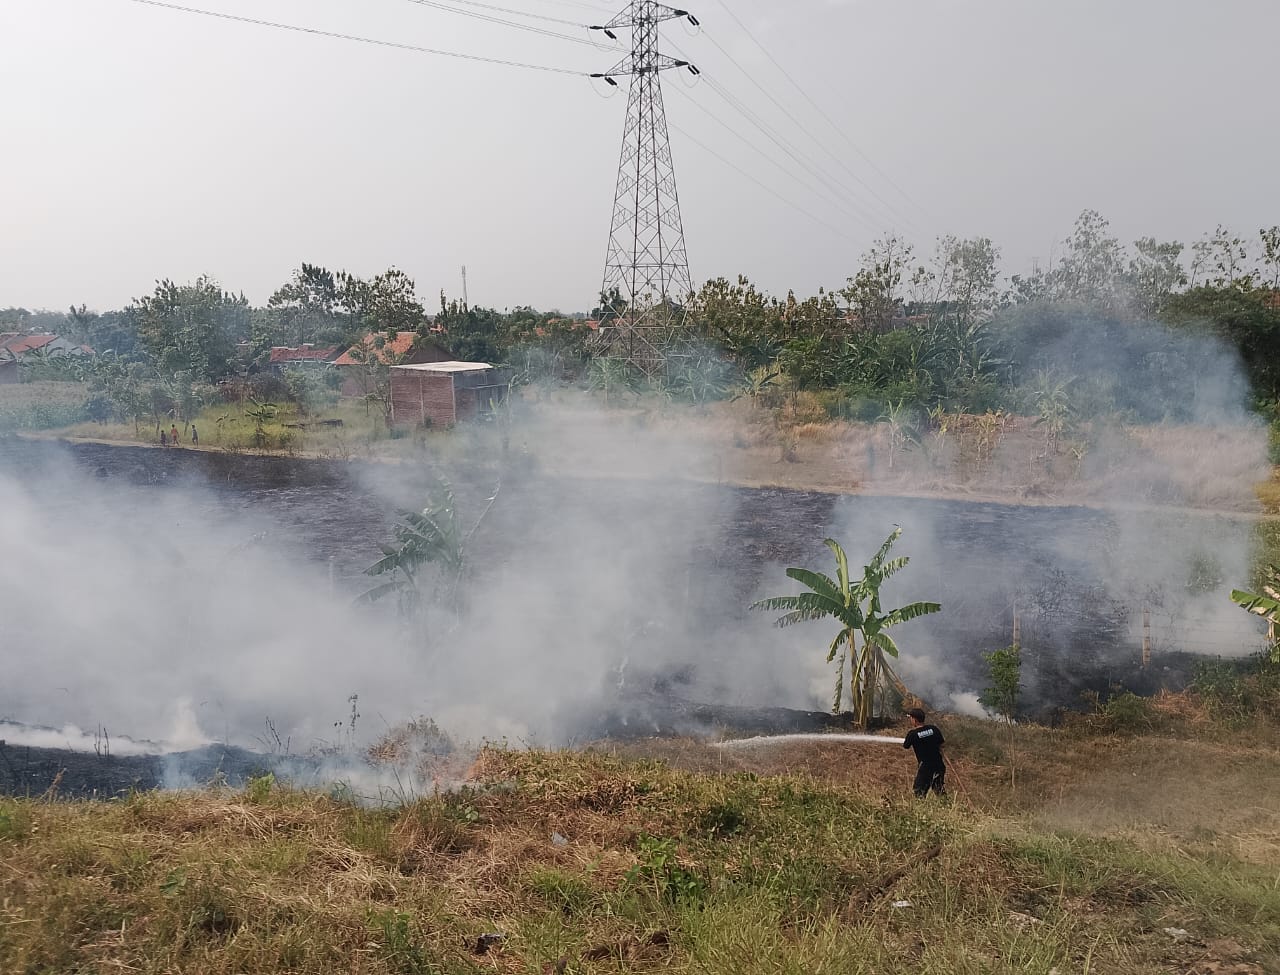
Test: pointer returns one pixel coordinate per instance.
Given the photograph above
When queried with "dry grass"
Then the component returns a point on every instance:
(1269, 493)
(702, 860)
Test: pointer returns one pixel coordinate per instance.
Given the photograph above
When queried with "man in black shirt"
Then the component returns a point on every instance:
(927, 741)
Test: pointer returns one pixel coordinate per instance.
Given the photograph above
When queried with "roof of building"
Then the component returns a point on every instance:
(446, 366)
(304, 353)
(26, 343)
(402, 344)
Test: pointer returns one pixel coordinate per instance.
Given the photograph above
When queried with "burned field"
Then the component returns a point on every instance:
(674, 649)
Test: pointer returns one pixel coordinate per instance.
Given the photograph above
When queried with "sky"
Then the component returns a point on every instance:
(142, 143)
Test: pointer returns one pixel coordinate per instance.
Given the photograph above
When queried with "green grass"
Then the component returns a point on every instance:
(663, 870)
(41, 405)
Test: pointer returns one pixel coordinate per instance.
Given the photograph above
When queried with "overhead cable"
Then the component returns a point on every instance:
(764, 186)
(522, 13)
(821, 143)
(489, 18)
(805, 161)
(315, 32)
(787, 171)
(830, 121)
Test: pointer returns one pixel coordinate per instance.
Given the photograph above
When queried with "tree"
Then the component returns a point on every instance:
(747, 323)
(1223, 260)
(1004, 668)
(387, 303)
(961, 286)
(874, 292)
(106, 332)
(1248, 319)
(471, 334)
(1091, 269)
(374, 358)
(855, 605)
(1155, 272)
(190, 327)
(1270, 272)
(306, 303)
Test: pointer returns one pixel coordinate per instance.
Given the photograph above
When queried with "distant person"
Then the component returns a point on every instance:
(195, 437)
(927, 741)
(164, 439)
(173, 434)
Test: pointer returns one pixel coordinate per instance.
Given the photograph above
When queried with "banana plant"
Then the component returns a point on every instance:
(1265, 604)
(422, 539)
(855, 604)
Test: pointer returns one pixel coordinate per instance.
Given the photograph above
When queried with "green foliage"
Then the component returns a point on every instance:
(659, 872)
(1004, 670)
(564, 892)
(393, 933)
(427, 538)
(258, 788)
(1265, 604)
(855, 605)
(190, 328)
(1128, 712)
(1240, 691)
(41, 406)
(15, 821)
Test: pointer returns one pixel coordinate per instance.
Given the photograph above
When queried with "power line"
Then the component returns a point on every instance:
(794, 152)
(764, 186)
(315, 32)
(883, 175)
(832, 183)
(811, 188)
(489, 18)
(522, 13)
(889, 207)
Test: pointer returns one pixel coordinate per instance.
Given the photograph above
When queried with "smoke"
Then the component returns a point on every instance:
(182, 599)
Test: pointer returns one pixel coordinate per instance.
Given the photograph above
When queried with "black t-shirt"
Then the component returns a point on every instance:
(927, 741)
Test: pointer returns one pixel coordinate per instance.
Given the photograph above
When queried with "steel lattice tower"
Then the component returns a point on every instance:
(646, 265)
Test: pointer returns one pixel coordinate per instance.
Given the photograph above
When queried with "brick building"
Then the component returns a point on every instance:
(441, 394)
(405, 349)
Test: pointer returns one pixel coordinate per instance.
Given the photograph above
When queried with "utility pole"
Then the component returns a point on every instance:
(465, 305)
(646, 269)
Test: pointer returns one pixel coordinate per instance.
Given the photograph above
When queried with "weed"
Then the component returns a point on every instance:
(661, 873)
(258, 788)
(561, 891)
(726, 818)
(15, 821)
(398, 947)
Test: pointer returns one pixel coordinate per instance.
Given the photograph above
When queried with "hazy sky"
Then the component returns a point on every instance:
(142, 143)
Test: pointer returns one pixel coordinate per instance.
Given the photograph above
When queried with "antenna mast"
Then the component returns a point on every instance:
(646, 271)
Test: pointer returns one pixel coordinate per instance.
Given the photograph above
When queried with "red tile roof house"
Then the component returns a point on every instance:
(399, 351)
(14, 346)
(19, 345)
(440, 394)
(305, 356)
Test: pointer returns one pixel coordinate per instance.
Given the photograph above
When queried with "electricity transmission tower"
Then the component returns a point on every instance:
(646, 271)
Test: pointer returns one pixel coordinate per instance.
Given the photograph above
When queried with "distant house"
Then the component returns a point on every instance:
(306, 357)
(441, 394)
(8, 369)
(18, 345)
(398, 351)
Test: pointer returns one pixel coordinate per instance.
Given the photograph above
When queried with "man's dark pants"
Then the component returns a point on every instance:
(928, 777)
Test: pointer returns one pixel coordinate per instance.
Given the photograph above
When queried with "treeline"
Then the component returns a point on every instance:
(1132, 330)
